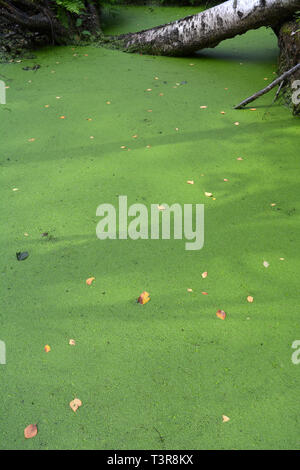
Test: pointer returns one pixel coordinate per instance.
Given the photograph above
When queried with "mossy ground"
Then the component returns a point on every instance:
(170, 365)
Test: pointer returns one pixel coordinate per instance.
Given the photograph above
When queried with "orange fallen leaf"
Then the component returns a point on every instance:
(90, 280)
(221, 314)
(222, 112)
(225, 179)
(250, 298)
(62, 117)
(75, 404)
(31, 140)
(47, 348)
(204, 275)
(144, 298)
(30, 431)
(225, 419)
(239, 158)
(204, 293)
(203, 107)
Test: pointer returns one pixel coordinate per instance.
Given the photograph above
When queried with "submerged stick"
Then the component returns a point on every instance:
(278, 80)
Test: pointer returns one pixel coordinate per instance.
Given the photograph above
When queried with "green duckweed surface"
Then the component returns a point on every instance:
(161, 375)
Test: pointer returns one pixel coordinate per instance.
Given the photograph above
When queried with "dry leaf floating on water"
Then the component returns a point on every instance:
(30, 431)
(144, 298)
(221, 314)
(90, 280)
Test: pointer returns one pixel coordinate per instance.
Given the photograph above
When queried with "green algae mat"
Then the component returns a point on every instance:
(92, 124)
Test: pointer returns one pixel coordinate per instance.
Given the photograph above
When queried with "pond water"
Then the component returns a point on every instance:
(92, 124)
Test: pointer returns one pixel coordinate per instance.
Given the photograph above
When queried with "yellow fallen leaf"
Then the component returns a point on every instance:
(144, 298)
(190, 290)
(250, 298)
(72, 342)
(47, 348)
(190, 182)
(221, 314)
(208, 194)
(75, 404)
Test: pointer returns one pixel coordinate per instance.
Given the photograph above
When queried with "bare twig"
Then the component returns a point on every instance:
(278, 91)
(278, 80)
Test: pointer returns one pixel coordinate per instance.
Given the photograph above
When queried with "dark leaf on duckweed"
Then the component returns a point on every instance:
(184, 82)
(21, 255)
(45, 234)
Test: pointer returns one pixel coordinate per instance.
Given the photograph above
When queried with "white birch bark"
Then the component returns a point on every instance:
(208, 28)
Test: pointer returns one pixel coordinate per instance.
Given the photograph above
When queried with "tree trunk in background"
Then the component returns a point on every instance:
(289, 44)
(206, 29)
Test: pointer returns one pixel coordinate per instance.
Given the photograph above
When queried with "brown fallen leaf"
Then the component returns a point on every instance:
(75, 404)
(144, 298)
(221, 314)
(30, 431)
(225, 419)
(250, 298)
(90, 280)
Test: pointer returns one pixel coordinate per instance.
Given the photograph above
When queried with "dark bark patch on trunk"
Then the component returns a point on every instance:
(289, 44)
